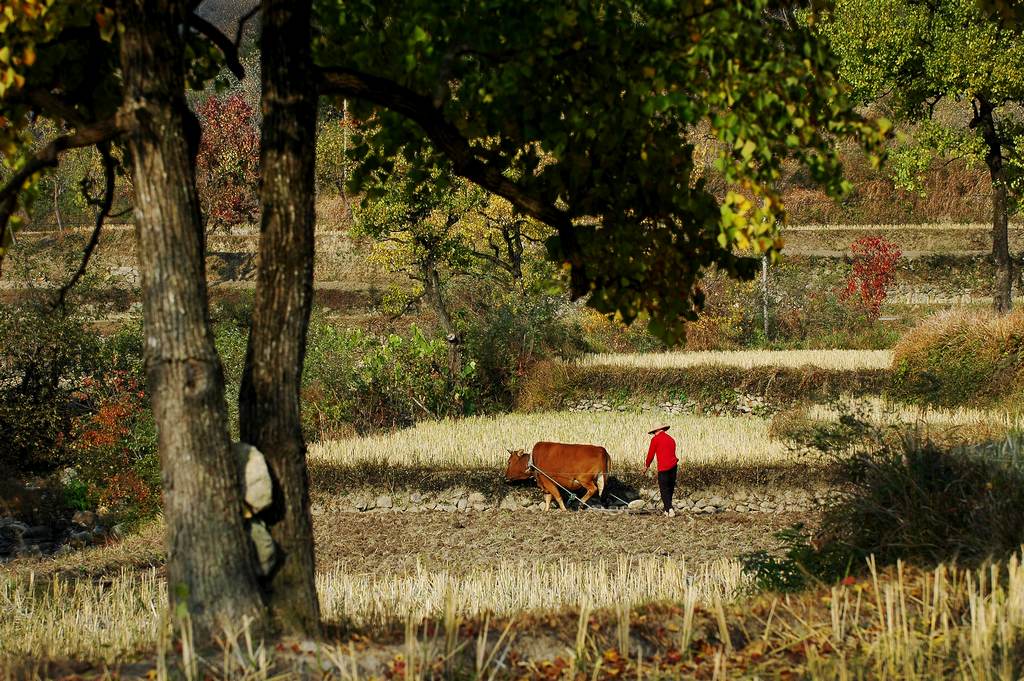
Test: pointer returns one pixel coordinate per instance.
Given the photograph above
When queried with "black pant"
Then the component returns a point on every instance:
(667, 485)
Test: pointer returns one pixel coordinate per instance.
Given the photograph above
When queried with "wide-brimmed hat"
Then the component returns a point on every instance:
(658, 430)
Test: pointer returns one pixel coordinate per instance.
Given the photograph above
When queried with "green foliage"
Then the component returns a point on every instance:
(73, 399)
(419, 225)
(47, 355)
(77, 496)
(508, 336)
(333, 165)
(587, 107)
(913, 55)
(354, 380)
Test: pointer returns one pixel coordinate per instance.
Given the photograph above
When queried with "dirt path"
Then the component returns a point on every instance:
(394, 542)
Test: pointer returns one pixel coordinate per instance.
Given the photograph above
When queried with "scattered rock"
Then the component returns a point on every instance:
(13, 525)
(264, 544)
(384, 501)
(416, 498)
(38, 533)
(259, 487)
(509, 504)
(637, 503)
(80, 540)
(84, 518)
(476, 498)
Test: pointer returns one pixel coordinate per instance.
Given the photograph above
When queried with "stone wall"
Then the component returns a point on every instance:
(457, 500)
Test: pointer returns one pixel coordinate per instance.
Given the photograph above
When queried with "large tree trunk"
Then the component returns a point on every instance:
(271, 381)
(209, 564)
(1002, 285)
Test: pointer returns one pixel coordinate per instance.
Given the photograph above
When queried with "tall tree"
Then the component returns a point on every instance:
(915, 54)
(209, 566)
(116, 72)
(269, 397)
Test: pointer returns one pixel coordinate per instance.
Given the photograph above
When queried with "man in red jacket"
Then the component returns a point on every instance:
(664, 447)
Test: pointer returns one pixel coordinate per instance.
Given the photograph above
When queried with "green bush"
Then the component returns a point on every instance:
(47, 355)
(506, 339)
(800, 563)
(916, 502)
(957, 358)
(354, 380)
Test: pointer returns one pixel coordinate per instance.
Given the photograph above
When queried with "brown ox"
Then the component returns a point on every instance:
(573, 467)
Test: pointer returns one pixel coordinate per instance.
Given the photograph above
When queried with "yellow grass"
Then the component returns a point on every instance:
(113, 620)
(882, 412)
(903, 624)
(920, 227)
(824, 359)
(482, 441)
(702, 440)
(516, 587)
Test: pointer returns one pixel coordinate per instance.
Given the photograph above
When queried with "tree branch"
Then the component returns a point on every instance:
(47, 157)
(105, 204)
(53, 106)
(449, 141)
(228, 48)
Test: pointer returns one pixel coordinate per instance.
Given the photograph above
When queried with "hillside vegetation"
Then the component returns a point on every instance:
(960, 357)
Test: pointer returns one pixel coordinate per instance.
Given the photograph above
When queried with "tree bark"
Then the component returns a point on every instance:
(269, 407)
(209, 564)
(1002, 285)
(433, 293)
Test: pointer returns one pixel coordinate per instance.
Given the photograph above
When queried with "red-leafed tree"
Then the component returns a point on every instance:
(227, 165)
(874, 269)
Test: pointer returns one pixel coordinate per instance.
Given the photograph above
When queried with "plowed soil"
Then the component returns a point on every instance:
(394, 542)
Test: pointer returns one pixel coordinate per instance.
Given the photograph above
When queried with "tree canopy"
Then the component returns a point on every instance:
(913, 55)
(578, 113)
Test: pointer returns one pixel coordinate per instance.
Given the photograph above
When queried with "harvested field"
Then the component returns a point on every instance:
(402, 543)
(482, 441)
(747, 359)
(382, 568)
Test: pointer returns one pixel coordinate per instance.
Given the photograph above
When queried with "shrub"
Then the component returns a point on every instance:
(114, 444)
(47, 354)
(601, 334)
(912, 501)
(227, 165)
(874, 268)
(727, 321)
(801, 561)
(506, 339)
(355, 380)
(928, 504)
(956, 358)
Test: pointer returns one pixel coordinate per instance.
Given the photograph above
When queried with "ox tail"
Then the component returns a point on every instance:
(602, 477)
